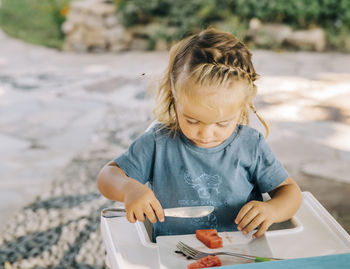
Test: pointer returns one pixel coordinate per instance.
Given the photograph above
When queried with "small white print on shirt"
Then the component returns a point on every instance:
(206, 185)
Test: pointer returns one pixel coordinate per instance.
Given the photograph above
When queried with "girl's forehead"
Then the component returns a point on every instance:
(207, 114)
(230, 91)
(210, 103)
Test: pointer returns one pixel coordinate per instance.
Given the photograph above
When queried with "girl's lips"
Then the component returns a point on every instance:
(205, 143)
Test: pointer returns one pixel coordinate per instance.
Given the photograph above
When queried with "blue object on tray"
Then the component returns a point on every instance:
(338, 261)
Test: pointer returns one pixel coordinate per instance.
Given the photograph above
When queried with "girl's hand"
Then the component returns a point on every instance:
(140, 201)
(255, 214)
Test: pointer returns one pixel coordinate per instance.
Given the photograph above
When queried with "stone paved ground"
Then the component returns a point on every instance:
(54, 105)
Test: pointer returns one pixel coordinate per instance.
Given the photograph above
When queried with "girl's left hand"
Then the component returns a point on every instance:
(255, 214)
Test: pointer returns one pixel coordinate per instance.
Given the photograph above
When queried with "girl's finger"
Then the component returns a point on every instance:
(254, 223)
(130, 216)
(244, 210)
(262, 229)
(157, 207)
(150, 214)
(140, 216)
(247, 218)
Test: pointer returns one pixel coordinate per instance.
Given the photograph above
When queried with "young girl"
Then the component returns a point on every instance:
(202, 152)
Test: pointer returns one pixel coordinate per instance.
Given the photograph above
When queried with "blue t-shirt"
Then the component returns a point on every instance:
(182, 174)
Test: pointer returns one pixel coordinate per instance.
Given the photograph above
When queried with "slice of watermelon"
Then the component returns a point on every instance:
(205, 262)
(210, 238)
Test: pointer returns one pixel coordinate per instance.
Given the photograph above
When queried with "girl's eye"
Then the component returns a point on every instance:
(191, 121)
(223, 124)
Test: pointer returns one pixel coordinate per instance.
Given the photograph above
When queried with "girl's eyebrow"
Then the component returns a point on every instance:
(188, 116)
(199, 120)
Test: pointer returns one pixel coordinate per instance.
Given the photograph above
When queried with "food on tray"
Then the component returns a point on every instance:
(205, 262)
(210, 238)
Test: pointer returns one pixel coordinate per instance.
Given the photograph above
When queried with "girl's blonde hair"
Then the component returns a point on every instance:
(211, 58)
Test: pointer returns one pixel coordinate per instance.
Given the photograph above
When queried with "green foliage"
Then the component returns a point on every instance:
(234, 15)
(35, 21)
(187, 16)
(299, 13)
(39, 21)
(332, 15)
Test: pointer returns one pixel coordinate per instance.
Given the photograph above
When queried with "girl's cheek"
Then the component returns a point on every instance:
(189, 132)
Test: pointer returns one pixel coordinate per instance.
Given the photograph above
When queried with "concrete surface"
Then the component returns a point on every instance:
(51, 104)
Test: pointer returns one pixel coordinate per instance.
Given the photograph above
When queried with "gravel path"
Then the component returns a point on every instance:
(60, 229)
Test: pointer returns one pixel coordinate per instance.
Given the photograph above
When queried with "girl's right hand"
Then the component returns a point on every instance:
(140, 201)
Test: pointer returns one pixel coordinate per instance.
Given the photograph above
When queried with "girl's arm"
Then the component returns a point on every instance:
(139, 200)
(285, 201)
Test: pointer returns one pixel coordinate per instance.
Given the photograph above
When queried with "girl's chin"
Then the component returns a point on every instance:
(206, 145)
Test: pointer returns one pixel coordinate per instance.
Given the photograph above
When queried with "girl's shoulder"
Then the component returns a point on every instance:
(159, 131)
(249, 132)
(251, 141)
(153, 135)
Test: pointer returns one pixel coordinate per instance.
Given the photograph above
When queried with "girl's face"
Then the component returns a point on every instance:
(206, 127)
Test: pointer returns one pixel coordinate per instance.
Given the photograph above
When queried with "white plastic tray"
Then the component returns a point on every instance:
(316, 233)
(232, 241)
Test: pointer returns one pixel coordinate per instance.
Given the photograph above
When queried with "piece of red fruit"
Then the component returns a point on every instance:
(205, 262)
(210, 238)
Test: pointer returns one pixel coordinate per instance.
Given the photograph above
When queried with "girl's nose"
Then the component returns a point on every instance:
(206, 132)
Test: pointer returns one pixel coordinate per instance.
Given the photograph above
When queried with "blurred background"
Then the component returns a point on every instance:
(262, 24)
(76, 82)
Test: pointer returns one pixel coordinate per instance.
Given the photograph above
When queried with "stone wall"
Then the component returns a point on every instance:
(92, 25)
(275, 35)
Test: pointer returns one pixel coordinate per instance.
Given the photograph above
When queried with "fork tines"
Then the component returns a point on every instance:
(187, 250)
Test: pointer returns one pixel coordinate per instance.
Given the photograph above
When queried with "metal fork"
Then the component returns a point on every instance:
(196, 254)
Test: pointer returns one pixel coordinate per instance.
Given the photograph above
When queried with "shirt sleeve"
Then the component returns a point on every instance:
(269, 172)
(137, 161)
